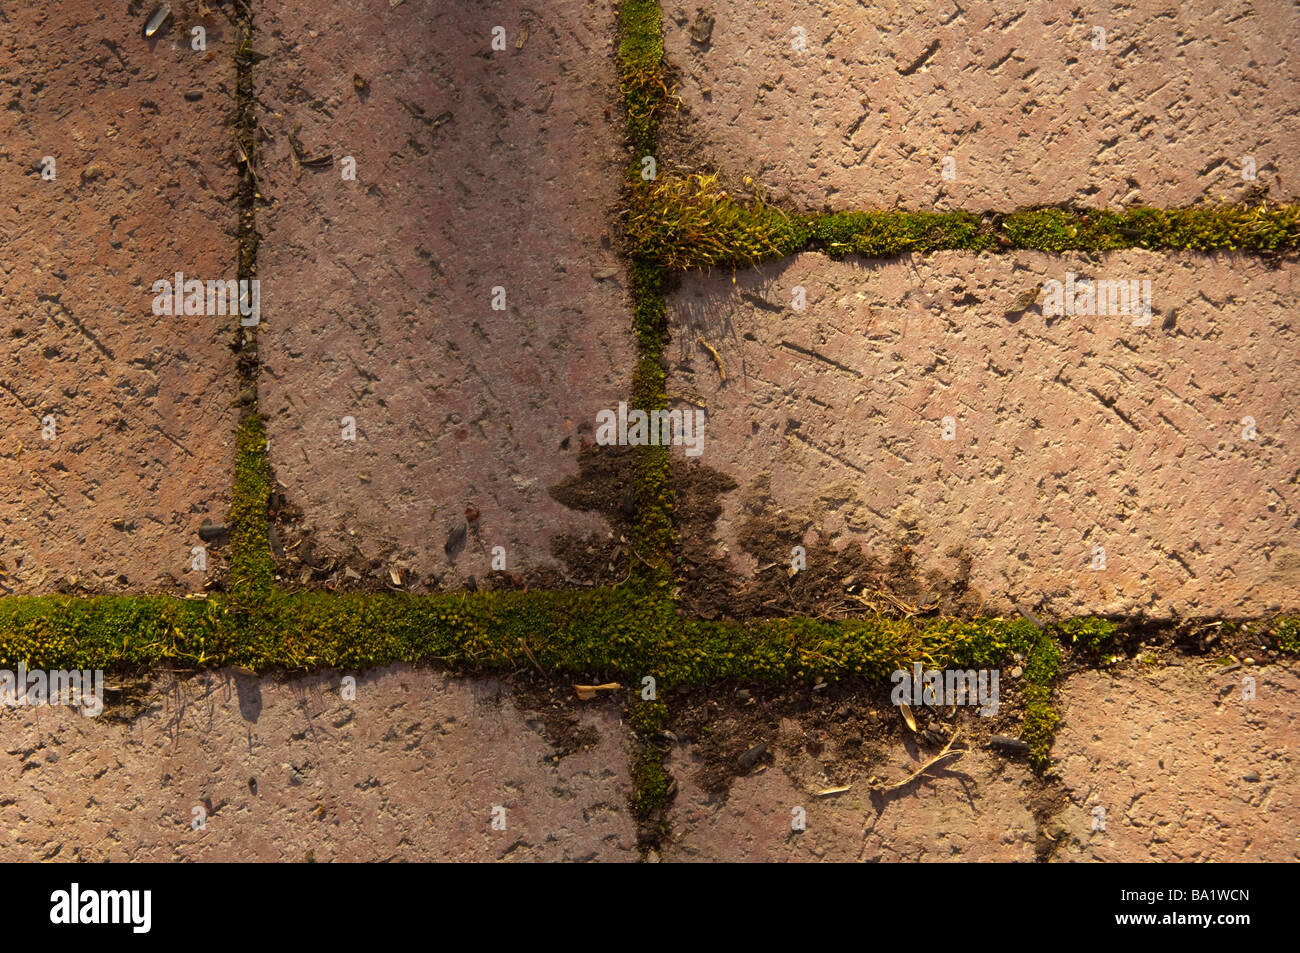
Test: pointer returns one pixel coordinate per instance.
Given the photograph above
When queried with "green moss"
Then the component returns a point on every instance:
(652, 787)
(779, 650)
(689, 222)
(251, 565)
(627, 632)
(602, 631)
(887, 234)
(1040, 718)
(606, 630)
(650, 317)
(640, 57)
(1287, 630)
(645, 94)
(648, 718)
(1256, 228)
(1089, 633)
(684, 223)
(652, 487)
(109, 632)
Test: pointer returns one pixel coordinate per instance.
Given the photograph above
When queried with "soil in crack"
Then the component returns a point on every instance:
(834, 583)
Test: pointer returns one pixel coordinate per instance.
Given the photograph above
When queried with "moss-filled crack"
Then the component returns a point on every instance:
(645, 95)
(251, 566)
(690, 222)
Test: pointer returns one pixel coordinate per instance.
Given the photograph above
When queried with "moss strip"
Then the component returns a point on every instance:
(641, 72)
(652, 786)
(590, 631)
(1040, 719)
(251, 565)
(1288, 634)
(684, 223)
(616, 633)
(641, 68)
(620, 632)
(641, 52)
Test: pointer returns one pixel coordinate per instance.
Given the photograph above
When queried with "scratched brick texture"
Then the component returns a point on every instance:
(143, 406)
(475, 170)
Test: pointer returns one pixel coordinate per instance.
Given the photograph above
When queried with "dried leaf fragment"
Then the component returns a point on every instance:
(717, 359)
(827, 792)
(907, 715)
(156, 20)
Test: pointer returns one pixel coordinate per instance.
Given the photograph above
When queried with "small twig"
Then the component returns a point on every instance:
(1029, 616)
(248, 163)
(929, 764)
(529, 653)
(717, 359)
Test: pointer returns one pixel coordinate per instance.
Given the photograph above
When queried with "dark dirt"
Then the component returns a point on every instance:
(848, 727)
(601, 486)
(549, 707)
(1228, 642)
(835, 584)
(845, 726)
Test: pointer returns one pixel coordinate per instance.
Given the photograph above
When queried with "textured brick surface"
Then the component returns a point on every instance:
(970, 811)
(1185, 768)
(1070, 434)
(143, 405)
(409, 770)
(475, 170)
(1014, 92)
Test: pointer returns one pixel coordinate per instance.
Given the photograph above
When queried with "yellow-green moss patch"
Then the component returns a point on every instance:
(251, 565)
(641, 81)
(690, 222)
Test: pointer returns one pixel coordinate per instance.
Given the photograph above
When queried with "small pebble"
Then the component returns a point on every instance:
(1004, 743)
(455, 538)
(752, 756)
